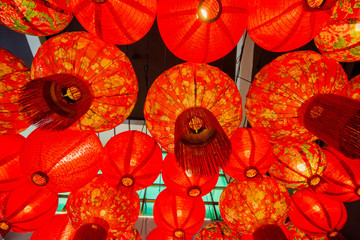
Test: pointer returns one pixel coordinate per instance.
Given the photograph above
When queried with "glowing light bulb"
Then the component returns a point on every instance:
(188, 173)
(301, 167)
(179, 213)
(204, 12)
(316, 208)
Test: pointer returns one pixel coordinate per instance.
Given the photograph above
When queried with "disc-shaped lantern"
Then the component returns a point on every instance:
(185, 183)
(255, 207)
(251, 156)
(317, 215)
(134, 160)
(201, 31)
(117, 22)
(33, 17)
(162, 234)
(284, 25)
(180, 215)
(100, 209)
(11, 175)
(58, 227)
(79, 81)
(218, 230)
(354, 88)
(299, 166)
(340, 38)
(194, 108)
(13, 76)
(61, 161)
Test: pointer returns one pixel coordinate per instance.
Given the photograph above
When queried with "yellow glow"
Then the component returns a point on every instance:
(357, 27)
(179, 213)
(316, 208)
(27, 209)
(188, 173)
(204, 12)
(301, 167)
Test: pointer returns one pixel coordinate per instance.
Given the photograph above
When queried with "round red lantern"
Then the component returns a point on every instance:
(201, 31)
(33, 17)
(193, 109)
(185, 183)
(11, 175)
(296, 234)
(116, 22)
(61, 161)
(219, 231)
(180, 215)
(79, 81)
(255, 207)
(251, 156)
(284, 25)
(299, 166)
(354, 88)
(58, 227)
(162, 234)
(102, 210)
(134, 160)
(317, 215)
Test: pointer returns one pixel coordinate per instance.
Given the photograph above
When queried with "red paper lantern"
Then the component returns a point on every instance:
(58, 227)
(340, 38)
(185, 183)
(219, 231)
(13, 76)
(26, 208)
(115, 21)
(283, 228)
(284, 25)
(255, 207)
(354, 88)
(317, 215)
(251, 155)
(162, 234)
(299, 166)
(194, 108)
(296, 234)
(102, 210)
(177, 214)
(80, 81)
(201, 31)
(11, 175)
(134, 160)
(33, 17)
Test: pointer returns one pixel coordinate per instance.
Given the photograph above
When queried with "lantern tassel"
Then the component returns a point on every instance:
(269, 232)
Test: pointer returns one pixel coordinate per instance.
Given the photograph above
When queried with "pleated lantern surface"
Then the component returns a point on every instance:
(201, 31)
(284, 25)
(180, 215)
(354, 88)
(11, 175)
(317, 215)
(26, 208)
(192, 110)
(296, 234)
(255, 207)
(100, 210)
(185, 183)
(251, 156)
(58, 227)
(33, 17)
(340, 38)
(162, 234)
(219, 231)
(134, 160)
(299, 166)
(14, 74)
(61, 161)
(79, 81)
(116, 22)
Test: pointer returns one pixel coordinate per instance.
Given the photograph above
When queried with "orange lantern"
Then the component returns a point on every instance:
(13, 76)
(354, 88)
(134, 160)
(79, 81)
(61, 161)
(58, 227)
(255, 207)
(194, 108)
(33, 17)
(162, 234)
(99, 209)
(251, 155)
(317, 215)
(180, 215)
(201, 31)
(284, 25)
(115, 21)
(219, 231)
(184, 183)
(340, 38)
(11, 175)
(298, 166)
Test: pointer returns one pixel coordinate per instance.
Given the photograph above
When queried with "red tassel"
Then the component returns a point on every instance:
(4, 229)
(91, 231)
(201, 145)
(269, 232)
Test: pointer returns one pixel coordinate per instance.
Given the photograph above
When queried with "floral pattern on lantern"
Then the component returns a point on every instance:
(133, 234)
(162, 234)
(58, 227)
(296, 234)
(354, 88)
(218, 230)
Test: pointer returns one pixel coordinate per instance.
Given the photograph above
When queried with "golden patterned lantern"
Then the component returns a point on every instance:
(354, 88)
(297, 234)
(133, 234)
(219, 231)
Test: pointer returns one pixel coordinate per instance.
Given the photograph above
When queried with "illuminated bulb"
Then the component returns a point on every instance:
(301, 167)
(357, 27)
(179, 213)
(27, 209)
(188, 173)
(247, 153)
(316, 208)
(204, 12)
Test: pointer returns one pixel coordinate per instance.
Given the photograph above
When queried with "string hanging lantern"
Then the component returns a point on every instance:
(58, 227)
(162, 234)
(219, 231)
(201, 31)
(134, 160)
(354, 88)
(81, 82)
(193, 109)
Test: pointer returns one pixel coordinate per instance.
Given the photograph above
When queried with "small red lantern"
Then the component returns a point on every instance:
(201, 31)
(162, 234)
(354, 88)
(58, 227)
(182, 216)
(317, 215)
(134, 160)
(219, 231)
(184, 183)
(251, 156)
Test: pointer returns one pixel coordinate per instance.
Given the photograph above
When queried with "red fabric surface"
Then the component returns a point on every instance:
(58, 227)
